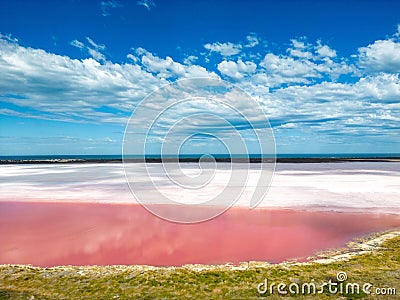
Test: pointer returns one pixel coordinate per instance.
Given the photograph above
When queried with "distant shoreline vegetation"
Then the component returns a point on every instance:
(252, 158)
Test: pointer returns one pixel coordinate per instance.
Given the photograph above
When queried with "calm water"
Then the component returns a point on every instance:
(49, 234)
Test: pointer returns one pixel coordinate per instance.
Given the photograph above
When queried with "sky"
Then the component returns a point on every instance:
(325, 73)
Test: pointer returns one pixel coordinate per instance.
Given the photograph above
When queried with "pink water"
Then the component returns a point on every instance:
(49, 234)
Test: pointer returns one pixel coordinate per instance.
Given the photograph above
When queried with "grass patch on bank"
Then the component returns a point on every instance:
(381, 268)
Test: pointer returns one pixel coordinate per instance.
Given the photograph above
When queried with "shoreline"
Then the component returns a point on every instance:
(195, 160)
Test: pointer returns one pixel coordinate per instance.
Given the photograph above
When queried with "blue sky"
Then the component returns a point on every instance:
(325, 72)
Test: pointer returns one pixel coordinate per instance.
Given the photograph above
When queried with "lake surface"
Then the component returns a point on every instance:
(50, 234)
(83, 214)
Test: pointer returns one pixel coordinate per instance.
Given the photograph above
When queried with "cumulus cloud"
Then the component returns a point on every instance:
(298, 88)
(252, 41)
(381, 56)
(299, 44)
(288, 66)
(190, 59)
(230, 49)
(59, 87)
(372, 102)
(302, 49)
(305, 63)
(236, 70)
(225, 49)
(168, 68)
(299, 49)
(325, 51)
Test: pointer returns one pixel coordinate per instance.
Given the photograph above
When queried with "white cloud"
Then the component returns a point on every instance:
(93, 49)
(299, 44)
(397, 34)
(190, 59)
(94, 45)
(305, 63)
(59, 87)
(325, 51)
(147, 3)
(107, 5)
(288, 67)
(96, 54)
(77, 44)
(298, 88)
(381, 56)
(8, 37)
(225, 49)
(230, 49)
(380, 88)
(300, 54)
(338, 108)
(236, 70)
(168, 68)
(304, 50)
(300, 49)
(132, 57)
(252, 41)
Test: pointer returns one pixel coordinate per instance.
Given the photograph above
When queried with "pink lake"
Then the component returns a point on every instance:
(50, 234)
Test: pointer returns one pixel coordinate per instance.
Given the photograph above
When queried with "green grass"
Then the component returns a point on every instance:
(381, 268)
